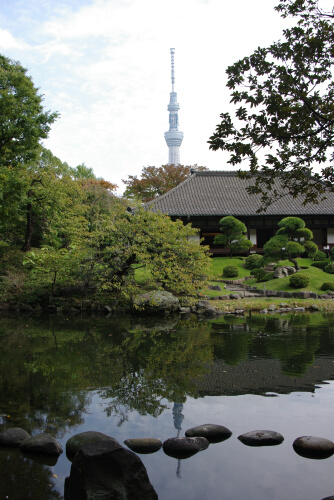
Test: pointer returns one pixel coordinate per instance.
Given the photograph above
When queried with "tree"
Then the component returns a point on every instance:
(23, 122)
(291, 240)
(152, 241)
(156, 181)
(284, 124)
(233, 235)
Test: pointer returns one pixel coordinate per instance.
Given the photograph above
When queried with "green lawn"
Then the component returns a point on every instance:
(317, 276)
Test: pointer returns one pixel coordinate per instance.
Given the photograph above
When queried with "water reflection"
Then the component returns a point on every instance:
(52, 368)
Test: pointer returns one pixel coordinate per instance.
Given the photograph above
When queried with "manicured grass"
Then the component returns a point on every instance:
(317, 276)
(218, 264)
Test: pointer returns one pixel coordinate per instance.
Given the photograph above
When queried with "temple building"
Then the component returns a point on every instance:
(206, 197)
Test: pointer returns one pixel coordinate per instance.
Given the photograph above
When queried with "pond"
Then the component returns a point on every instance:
(148, 377)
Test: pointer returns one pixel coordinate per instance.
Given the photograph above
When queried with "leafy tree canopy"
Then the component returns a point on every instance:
(291, 240)
(156, 181)
(284, 120)
(23, 121)
(233, 235)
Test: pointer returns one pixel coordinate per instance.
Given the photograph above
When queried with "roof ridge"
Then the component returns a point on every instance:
(171, 190)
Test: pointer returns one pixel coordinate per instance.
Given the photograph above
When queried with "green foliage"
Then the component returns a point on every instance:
(319, 256)
(156, 181)
(299, 280)
(329, 268)
(259, 274)
(284, 117)
(328, 286)
(289, 242)
(230, 272)
(252, 261)
(267, 277)
(332, 253)
(22, 118)
(311, 248)
(233, 235)
(321, 264)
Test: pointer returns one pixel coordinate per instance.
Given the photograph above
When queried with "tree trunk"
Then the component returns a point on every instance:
(30, 227)
(295, 263)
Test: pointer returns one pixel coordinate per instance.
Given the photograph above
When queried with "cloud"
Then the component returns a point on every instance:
(7, 41)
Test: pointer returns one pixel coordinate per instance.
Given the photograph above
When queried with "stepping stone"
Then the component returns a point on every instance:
(144, 445)
(313, 447)
(13, 437)
(42, 444)
(212, 432)
(74, 444)
(261, 438)
(184, 447)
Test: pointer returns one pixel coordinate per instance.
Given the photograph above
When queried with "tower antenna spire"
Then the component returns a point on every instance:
(173, 137)
(172, 52)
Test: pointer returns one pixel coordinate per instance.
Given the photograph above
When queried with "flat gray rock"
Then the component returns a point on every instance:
(144, 445)
(13, 437)
(184, 447)
(42, 444)
(74, 444)
(212, 432)
(313, 447)
(261, 438)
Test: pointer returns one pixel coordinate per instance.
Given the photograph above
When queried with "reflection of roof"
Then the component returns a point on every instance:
(260, 376)
(223, 193)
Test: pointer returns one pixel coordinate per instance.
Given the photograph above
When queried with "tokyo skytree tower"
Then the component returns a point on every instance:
(173, 137)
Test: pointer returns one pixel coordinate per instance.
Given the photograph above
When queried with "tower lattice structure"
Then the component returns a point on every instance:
(173, 137)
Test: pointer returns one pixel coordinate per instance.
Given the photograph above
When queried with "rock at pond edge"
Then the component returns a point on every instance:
(13, 437)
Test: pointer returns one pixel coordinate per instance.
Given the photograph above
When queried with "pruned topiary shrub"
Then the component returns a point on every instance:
(253, 261)
(230, 272)
(319, 255)
(267, 277)
(332, 253)
(329, 268)
(258, 274)
(320, 264)
(299, 280)
(328, 286)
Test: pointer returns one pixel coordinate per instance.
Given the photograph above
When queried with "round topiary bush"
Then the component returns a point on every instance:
(299, 280)
(230, 272)
(327, 286)
(252, 261)
(319, 255)
(329, 268)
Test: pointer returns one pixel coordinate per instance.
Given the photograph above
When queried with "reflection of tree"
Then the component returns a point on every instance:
(23, 478)
(156, 368)
(47, 368)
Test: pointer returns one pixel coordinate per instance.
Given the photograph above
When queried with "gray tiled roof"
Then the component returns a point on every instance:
(224, 193)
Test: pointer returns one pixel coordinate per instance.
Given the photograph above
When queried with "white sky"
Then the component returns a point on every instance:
(104, 65)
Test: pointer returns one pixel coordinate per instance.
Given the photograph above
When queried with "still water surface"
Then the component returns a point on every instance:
(134, 377)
